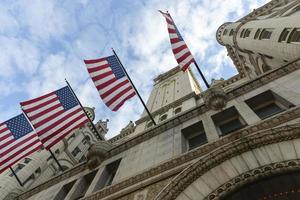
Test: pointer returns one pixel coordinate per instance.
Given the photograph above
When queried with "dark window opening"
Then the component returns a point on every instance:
(228, 121)
(82, 186)
(27, 160)
(194, 136)
(225, 31)
(107, 175)
(284, 35)
(163, 117)
(76, 151)
(268, 104)
(257, 33)
(64, 191)
(149, 124)
(177, 110)
(266, 33)
(86, 140)
(295, 35)
(247, 33)
(231, 32)
(242, 33)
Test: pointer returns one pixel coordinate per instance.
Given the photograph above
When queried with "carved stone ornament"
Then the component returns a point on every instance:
(215, 97)
(98, 153)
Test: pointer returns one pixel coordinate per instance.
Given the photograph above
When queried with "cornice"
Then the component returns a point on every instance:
(189, 114)
(257, 12)
(237, 146)
(243, 89)
(53, 181)
(167, 107)
(175, 162)
(167, 74)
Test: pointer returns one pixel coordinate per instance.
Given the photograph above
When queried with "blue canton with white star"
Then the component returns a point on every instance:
(66, 98)
(19, 126)
(115, 66)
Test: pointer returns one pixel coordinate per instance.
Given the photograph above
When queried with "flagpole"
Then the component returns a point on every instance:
(149, 114)
(94, 127)
(196, 64)
(11, 169)
(201, 74)
(52, 154)
(49, 149)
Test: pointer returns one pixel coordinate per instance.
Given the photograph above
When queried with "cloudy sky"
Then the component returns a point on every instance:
(44, 41)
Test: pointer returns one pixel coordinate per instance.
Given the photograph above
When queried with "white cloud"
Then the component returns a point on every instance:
(44, 42)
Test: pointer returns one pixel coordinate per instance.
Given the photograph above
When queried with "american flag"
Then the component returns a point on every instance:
(180, 50)
(17, 140)
(110, 80)
(54, 115)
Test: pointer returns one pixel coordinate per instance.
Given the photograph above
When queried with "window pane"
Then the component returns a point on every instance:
(257, 33)
(231, 32)
(284, 34)
(225, 32)
(295, 36)
(247, 33)
(266, 34)
(241, 35)
(197, 141)
(230, 126)
(268, 110)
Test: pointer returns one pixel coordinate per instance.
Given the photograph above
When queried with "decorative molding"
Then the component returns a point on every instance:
(252, 176)
(238, 145)
(53, 181)
(215, 98)
(97, 153)
(130, 128)
(187, 115)
(167, 74)
(175, 162)
(219, 33)
(167, 107)
(205, 149)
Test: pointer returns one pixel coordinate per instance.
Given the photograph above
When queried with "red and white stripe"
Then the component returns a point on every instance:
(180, 50)
(51, 122)
(11, 150)
(114, 92)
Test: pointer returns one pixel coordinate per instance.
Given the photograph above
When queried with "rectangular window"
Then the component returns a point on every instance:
(228, 121)
(82, 186)
(257, 33)
(64, 191)
(194, 136)
(107, 175)
(231, 32)
(76, 151)
(266, 33)
(295, 35)
(284, 35)
(268, 104)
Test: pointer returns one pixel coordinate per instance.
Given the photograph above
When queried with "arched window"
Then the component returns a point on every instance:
(177, 110)
(149, 124)
(163, 117)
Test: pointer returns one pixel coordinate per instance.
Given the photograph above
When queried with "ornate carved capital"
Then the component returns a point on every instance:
(98, 153)
(215, 97)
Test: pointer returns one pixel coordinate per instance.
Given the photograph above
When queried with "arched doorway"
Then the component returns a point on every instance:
(279, 187)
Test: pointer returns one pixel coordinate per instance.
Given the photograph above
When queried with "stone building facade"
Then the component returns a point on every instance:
(240, 139)
(40, 166)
